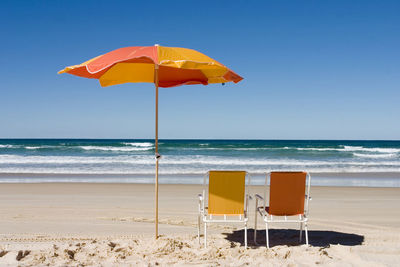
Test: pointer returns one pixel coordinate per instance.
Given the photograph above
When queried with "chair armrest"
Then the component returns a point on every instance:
(246, 208)
(257, 196)
(257, 210)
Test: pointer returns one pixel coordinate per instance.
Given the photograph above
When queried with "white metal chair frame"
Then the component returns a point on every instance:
(268, 218)
(206, 218)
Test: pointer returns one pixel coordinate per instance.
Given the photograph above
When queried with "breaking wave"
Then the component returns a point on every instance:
(111, 148)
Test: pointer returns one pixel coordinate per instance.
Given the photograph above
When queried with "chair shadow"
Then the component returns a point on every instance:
(290, 237)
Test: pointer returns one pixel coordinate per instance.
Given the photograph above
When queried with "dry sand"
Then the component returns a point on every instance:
(112, 224)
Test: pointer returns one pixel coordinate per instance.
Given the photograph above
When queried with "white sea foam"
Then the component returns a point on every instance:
(32, 147)
(112, 148)
(319, 149)
(7, 146)
(183, 171)
(353, 148)
(184, 161)
(373, 149)
(376, 156)
(14, 159)
(230, 148)
(137, 144)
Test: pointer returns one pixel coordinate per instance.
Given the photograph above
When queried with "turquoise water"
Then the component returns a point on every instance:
(368, 163)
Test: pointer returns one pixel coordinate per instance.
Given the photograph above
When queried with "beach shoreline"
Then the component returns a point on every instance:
(366, 179)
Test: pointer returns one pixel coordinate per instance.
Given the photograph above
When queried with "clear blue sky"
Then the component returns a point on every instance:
(312, 69)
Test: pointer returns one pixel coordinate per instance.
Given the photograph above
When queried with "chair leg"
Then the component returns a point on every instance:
(205, 235)
(266, 235)
(255, 230)
(255, 224)
(301, 232)
(198, 229)
(306, 232)
(245, 235)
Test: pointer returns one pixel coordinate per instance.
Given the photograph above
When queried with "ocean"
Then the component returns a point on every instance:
(331, 163)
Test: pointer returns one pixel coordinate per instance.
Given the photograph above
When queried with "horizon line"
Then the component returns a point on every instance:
(216, 139)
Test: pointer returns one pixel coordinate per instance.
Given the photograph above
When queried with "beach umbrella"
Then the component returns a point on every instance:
(163, 66)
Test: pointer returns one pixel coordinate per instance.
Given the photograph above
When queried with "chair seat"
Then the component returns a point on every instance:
(260, 210)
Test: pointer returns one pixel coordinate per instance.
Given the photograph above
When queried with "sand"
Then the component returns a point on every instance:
(112, 224)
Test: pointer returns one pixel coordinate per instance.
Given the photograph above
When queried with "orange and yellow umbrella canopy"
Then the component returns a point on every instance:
(163, 66)
(176, 66)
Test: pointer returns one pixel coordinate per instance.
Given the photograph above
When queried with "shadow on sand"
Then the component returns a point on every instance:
(290, 237)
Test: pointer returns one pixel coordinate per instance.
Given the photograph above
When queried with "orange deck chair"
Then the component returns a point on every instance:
(225, 201)
(288, 197)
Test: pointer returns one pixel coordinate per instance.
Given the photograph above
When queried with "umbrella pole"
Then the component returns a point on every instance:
(156, 147)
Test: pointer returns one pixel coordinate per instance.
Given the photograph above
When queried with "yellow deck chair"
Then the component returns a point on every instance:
(225, 201)
(289, 196)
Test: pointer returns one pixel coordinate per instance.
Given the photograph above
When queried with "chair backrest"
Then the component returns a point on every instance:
(287, 193)
(226, 192)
